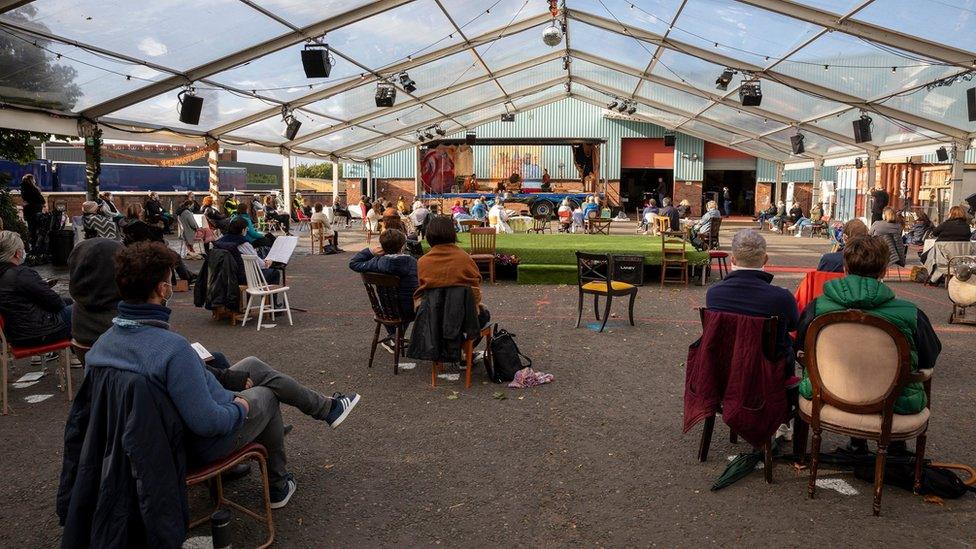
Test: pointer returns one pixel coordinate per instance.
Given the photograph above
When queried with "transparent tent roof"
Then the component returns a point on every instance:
(821, 66)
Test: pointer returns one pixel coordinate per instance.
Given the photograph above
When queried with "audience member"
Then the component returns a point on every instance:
(34, 205)
(340, 210)
(272, 212)
(390, 259)
(446, 265)
(879, 201)
(591, 208)
(91, 283)
(670, 212)
(765, 215)
(96, 224)
(498, 218)
(833, 262)
(192, 199)
(235, 241)
(919, 230)
(479, 211)
(330, 234)
(107, 205)
(865, 264)
(780, 218)
(217, 421)
(155, 213)
(565, 214)
(796, 212)
(888, 224)
(700, 231)
(749, 290)
(401, 205)
(248, 214)
(684, 210)
(298, 205)
(816, 213)
(134, 229)
(214, 215)
(372, 220)
(231, 205)
(191, 230)
(954, 229)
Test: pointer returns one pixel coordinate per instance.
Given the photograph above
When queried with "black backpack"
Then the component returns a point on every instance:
(937, 479)
(506, 359)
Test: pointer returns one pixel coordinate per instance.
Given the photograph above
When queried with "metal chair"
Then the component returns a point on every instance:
(856, 397)
(541, 224)
(383, 291)
(8, 353)
(673, 256)
(482, 249)
(257, 286)
(595, 277)
(597, 225)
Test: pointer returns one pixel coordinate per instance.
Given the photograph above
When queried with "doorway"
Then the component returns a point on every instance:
(640, 184)
(742, 190)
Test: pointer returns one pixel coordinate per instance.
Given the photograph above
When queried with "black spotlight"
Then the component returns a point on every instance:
(622, 107)
(428, 134)
(317, 61)
(440, 131)
(858, 163)
(420, 137)
(750, 93)
(971, 99)
(292, 125)
(632, 109)
(797, 142)
(862, 129)
(508, 117)
(723, 81)
(469, 138)
(190, 106)
(942, 154)
(669, 139)
(385, 94)
(408, 84)
(612, 105)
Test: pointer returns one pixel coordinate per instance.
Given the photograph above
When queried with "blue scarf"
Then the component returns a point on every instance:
(147, 314)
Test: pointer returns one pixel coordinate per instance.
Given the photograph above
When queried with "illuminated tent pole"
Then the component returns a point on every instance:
(93, 156)
(213, 174)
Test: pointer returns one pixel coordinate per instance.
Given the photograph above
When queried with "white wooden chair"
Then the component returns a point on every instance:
(258, 287)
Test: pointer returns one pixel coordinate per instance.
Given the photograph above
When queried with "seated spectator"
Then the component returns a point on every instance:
(318, 216)
(479, 211)
(565, 214)
(96, 223)
(214, 215)
(796, 212)
(107, 205)
(248, 214)
(816, 213)
(748, 290)
(390, 259)
(91, 283)
(273, 212)
(134, 229)
(458, 208)
(192, 199)
(34, 314)
(401, 205)
(865, 263)
(954, 229)
(235, 242)
(591, 208)
(498, 218)
(192, 231)
(231, 206)
(670, 212)
(684, 210)
(766, 215)
(447, 265)
(800, 225)
(780, 218)
(340, 210)
(388, 209)
(700, 231)
(649, 212)
(156, 214)
(833, 262)
(217, 422)
(888, 224)
(298, 205)
(919, 230)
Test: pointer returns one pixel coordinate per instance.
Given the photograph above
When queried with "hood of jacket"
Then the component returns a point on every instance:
(858, 292)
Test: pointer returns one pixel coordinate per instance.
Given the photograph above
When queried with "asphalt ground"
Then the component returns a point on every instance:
(595, 458)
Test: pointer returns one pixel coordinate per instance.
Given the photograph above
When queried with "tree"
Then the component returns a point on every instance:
(16, 146)
(30, 75)
(316, 171)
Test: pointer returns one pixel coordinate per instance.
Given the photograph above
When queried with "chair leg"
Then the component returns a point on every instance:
(247, 309)
(66, 361)
(919, 459)
(606, 312)
(879, 465)
(579, 311)
(397, 348)
(433, 373)
(664, 272)
(266, 483)
(801, 431)
(4, 359)
(768, 461)
(372, 350)
(733, 437)
(491, 271)
(630, 309)
(469, 351)
(706, 438)
(287, 308)
(261, 312)
(596, 306)
(814, 462)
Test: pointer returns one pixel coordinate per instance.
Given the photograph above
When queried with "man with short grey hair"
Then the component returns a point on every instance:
(748, 290)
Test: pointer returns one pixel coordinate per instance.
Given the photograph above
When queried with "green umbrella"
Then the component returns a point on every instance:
(740, 467)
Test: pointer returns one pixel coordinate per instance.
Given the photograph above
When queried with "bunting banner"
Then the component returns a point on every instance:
(195, 154)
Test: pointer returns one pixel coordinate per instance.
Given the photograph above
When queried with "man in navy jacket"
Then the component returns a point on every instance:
(389, 259)
(748, 290)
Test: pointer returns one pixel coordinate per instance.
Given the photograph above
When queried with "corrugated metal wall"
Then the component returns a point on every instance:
(689, 158)
(765, 171)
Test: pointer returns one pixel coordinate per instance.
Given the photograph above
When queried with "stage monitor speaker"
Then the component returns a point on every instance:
(862, 130)
(669, 140)
(797, 142)
(316, 62)
(942, 154)
(971, 99)
(190, 107)
(629, 269)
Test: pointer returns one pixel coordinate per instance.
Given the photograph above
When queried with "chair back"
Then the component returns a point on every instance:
(837, 344)
(770, 334)
(300, 215)
(316, 231)
(713, 230)
(896, 250)
(252, 271)
(383, 291)
(482, 240)
(540, 222)
(592, 214)
(663, 223)
(468, 224)
(673, 246)
(594, 268)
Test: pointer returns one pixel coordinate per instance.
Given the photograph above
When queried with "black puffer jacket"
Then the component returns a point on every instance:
(446, 318)
(217, 285)
(30, 308)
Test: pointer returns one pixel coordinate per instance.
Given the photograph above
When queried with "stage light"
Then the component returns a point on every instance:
(291, 124)
(797, 143)
(750, 93)
(408, 84)
(508, 117)
(566, 62)
(622, 107)
(190, 106)
(858, 163)
(862, 129)
(632, 109)
(470, 137)
(669, 138)
(612, 105)
(385, 94)
(317, 61)
(723, 81)
(420, 137)
(942, 154)
(440, 131)
(428, 134)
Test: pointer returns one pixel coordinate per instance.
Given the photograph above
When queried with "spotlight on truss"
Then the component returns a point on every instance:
(723, 81)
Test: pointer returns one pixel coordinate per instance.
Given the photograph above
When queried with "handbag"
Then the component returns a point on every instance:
(506, 358)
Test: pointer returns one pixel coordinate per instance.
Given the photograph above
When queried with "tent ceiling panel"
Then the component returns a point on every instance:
(219, 107)
(763, 150)
(460, 99)
(741, 31)
(748, 122)
(814, 143)
(489, 112)
(350, 104)
(538, 74)
(341, 139)
(302, 13)
(653, 15)
(604, 75)
(179, 34)
(612, 45)
(442, 73)
(942, 104)
(884, 132)
(395, 122)
(379, 149)
(860, 68)
(514, 48)
(471, 17)
(786, 101)
(949, 22)
(664, 118)
(271, 129)
(678, 99)
(839, 7)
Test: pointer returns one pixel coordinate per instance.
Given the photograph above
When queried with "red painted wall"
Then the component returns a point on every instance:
(713, 151)
(646, 153)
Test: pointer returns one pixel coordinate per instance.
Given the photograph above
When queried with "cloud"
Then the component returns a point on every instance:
(152, 47)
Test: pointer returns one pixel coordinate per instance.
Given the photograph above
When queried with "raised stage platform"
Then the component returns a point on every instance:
(551, 258)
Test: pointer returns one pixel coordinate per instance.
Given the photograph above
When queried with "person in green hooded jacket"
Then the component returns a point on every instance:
(865, 263)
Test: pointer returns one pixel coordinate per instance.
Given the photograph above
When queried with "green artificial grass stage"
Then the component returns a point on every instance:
(560, 249)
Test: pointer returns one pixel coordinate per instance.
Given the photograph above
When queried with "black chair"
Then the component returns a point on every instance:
(710, 240)
(595, 276)
(897, 252)
(383, 291)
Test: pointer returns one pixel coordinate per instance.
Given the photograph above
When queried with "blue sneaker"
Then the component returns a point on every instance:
(280, 496)
(341, 406)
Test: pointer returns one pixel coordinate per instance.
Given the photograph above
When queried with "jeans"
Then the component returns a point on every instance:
(263, 423)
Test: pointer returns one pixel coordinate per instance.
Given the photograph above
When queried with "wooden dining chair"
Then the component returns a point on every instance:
(383, 291)
(316, 236)
(673, 256)
(663, 224)
(595, 277)
(482, 248)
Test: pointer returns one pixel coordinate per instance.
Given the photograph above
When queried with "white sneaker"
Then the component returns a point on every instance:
(38, 360)
(76, 362)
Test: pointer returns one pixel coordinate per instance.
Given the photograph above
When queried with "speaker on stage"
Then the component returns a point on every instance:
(190, 107)
(669, 140)
(862, 129)
(316, 61)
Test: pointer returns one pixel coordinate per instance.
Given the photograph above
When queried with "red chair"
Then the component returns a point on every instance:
(7, 351)
(211, 473)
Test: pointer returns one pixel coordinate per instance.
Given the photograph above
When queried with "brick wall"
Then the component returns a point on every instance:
(803, 194)
(764, 196)
(690, 191)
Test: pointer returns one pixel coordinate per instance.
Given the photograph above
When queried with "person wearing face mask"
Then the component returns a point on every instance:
(34, 314)
(216, 421)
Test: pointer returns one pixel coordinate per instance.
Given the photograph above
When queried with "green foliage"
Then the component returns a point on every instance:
(316, 171)
(8, 208)
(16, 146)
(30, 75)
